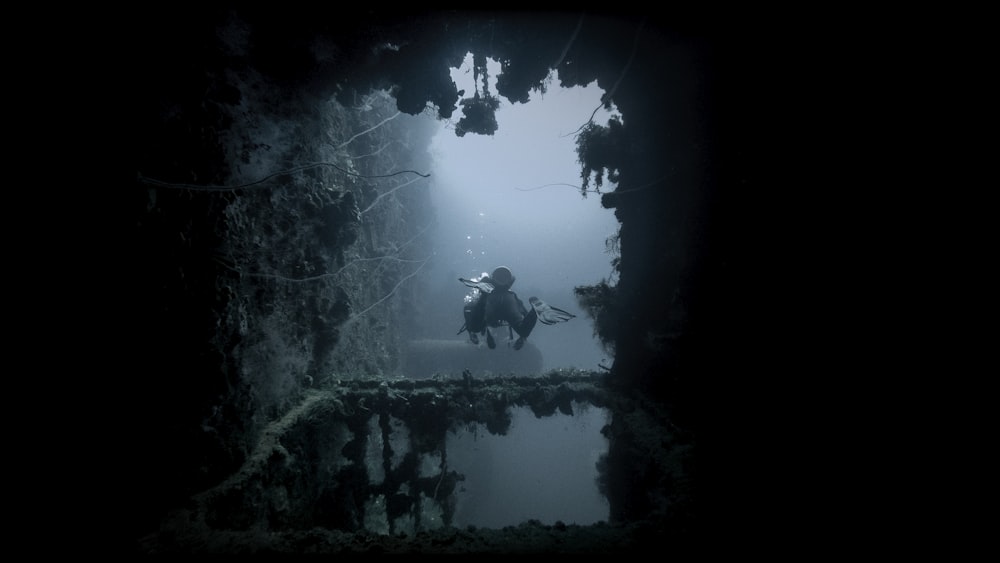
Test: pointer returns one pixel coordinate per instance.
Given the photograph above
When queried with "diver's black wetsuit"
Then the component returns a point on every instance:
(492, 309)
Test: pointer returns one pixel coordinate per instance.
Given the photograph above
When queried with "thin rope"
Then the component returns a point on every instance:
(330, 274)
(211, 188)
(569, 44)
(370, 129)
(379, 198)
(353, 318)
(607, 97)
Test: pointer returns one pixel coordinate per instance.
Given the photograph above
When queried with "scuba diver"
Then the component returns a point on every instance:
(492, 304)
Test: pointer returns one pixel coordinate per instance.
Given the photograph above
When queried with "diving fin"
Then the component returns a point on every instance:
(547, 314)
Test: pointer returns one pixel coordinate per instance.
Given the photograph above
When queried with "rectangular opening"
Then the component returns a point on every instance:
(543, 468)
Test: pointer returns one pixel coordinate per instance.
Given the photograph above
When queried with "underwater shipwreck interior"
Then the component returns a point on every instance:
(288, 397)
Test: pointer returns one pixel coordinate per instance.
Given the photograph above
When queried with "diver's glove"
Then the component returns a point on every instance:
(548, 314)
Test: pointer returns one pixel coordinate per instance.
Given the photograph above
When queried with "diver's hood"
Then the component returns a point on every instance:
(502, 277)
